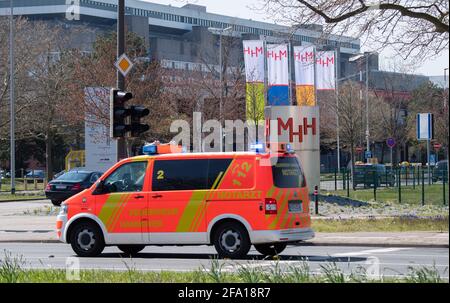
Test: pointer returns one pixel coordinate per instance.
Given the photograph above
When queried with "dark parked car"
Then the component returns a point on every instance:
(69, 184)
(440, 171)
(35, 174)
(371, 173)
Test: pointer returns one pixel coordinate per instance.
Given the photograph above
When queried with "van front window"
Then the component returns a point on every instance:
(287, 173)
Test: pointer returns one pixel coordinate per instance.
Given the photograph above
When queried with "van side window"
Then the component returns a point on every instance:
(180, 175)
(217, 169)
(127, 178)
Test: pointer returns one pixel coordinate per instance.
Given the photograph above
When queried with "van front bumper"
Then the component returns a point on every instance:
(283, 235)
(61, 221)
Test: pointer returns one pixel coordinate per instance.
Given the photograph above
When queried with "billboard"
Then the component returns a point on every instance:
(100, 149)
(304, 75)
(278, 74)
(254, 73)
(326, 70)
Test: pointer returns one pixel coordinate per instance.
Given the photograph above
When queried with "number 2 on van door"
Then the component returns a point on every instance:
(160, 175)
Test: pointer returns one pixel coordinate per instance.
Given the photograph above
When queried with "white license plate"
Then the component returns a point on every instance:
(295, 206)
(60, 186)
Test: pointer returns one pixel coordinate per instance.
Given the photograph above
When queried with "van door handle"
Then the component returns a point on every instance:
(157, 196)
(139, 197)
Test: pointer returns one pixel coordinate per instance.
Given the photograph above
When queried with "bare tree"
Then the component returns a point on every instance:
(414, 28)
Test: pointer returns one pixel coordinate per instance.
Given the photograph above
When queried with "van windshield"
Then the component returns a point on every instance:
(287, 173)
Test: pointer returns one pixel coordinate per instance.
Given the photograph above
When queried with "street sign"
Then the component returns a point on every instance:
(424, 126)
(437, 146)
(432, 160)
(124, 64)
(368, 154)
(390, 142)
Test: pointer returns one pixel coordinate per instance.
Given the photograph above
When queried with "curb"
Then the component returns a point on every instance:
(22, 200)
(30, 241)
(358, 244)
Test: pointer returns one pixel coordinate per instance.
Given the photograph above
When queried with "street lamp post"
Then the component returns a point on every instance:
(11, 96)
(448, 133)
(365, 56)
(367, 104)
(220, 31)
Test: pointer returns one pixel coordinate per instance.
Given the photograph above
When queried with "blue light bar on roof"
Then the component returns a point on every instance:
(150, 149)
(257, 147)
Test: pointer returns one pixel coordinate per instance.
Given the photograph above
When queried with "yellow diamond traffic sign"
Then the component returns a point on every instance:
(124, 64)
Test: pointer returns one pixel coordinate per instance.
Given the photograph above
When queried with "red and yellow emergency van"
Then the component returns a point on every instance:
(229, 200)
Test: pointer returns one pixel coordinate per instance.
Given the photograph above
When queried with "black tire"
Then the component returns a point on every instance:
(131, 250)
(231, 240)
(56, 203)
(270, 249)
(86, 239)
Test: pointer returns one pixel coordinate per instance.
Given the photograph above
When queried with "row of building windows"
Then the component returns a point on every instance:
(201, 22)
(196, 67)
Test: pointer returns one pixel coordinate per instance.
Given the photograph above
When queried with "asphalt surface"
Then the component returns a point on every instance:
(386, 261)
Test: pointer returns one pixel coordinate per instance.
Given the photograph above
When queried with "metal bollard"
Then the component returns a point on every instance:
(348, 184)
(335, 179)
(343, 180)
(316, 199)
(407, 172)
(423, 187)
(400, 186)
(443, 185)
(375, 180)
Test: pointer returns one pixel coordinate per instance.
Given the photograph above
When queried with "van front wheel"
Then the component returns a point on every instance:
(231, 240)
(87, 240)
(270, 249)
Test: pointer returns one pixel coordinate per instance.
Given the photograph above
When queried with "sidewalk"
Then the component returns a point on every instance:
(383, 239)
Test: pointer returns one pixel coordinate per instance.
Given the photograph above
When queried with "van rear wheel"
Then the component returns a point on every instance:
(270, 249)
(86, 239)
(131, 250)
(231, 240)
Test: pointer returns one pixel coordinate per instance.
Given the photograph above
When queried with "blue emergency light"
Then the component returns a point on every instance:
(149, 149)
(257, 147)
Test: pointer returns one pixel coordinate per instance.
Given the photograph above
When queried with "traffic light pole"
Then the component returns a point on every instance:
(121, 143)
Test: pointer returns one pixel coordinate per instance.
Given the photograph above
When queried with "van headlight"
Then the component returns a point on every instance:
(64, 209)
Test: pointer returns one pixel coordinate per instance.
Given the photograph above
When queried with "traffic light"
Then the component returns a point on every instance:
(136, 114)
(118, 113)
(123, 119)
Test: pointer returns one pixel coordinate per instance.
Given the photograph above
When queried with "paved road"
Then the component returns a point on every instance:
(392, 261)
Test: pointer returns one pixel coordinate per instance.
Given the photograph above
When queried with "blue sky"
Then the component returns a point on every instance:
(248, 9)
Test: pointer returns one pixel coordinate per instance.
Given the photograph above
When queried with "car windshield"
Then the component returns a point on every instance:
(73, 176)
(442, 165)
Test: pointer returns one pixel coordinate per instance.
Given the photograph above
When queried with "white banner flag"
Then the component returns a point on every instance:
(254, 60)
(304, 65)
(326, 69)
(278, 64)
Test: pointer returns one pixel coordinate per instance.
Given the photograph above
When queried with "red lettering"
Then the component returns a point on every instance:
(326, 62)
(289, 126)
(312, 126)
(253, 52)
